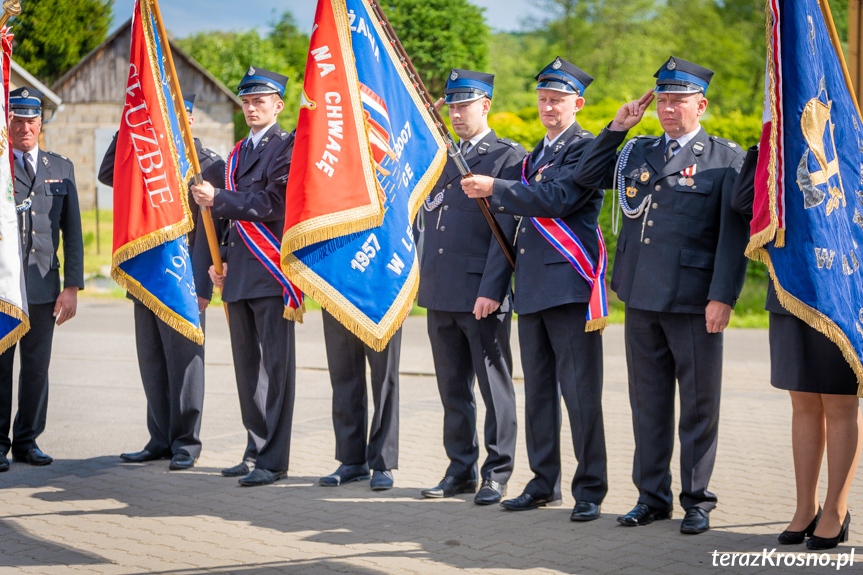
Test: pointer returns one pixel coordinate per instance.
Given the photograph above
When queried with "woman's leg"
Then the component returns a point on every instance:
(807, 444)
(844, 429)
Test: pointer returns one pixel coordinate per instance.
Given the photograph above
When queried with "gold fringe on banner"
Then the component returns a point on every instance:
(16, 334)
(598, 324)
(170, 317)
(295, 315)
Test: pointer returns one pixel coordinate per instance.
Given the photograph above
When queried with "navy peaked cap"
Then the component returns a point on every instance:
(563, 76)
(189, 102)
(684, 77)
(260, 81)
(467, 85)
(25, 102)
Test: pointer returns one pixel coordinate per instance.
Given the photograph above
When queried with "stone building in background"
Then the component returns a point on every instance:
(93, 93)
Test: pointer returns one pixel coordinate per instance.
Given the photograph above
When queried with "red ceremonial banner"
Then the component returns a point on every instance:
(332, 189)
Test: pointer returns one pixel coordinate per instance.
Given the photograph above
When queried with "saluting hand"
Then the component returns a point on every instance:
(478, 186)
(217, 279)
(203, 194)
(717, 315)
(631, 113)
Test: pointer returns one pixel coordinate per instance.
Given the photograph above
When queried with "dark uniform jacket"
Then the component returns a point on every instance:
(213, 171)
(54, 208)
(260, 180)
(461, 258)
(694, 242)
(543, 277)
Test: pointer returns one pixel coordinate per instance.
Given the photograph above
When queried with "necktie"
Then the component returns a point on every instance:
(465, 147)
(28, 167)
(540, 155)
(249, 147)
(669, 150)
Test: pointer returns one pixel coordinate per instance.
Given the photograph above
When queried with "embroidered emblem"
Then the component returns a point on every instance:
(671, 64)
(251, 71)
(45, 160)
(630, 192)
(25, 93)
(697, 147)
(645, 176)
(453, 76)
(557, 63)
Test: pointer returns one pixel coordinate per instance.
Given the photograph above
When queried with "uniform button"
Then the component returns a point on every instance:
(500, 209)
(650, 223)
(443, 228)
(32, 193)
(445, 208)
(521, 251)
(440, 251)
(658, 187)
(524, 230)
(232, 244)
(32, 212)
(449, 186)
(647, 240)
(33, 251)
(33, 232)
(655, 205)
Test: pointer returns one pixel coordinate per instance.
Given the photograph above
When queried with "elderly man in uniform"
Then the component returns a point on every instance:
(48, 204)
(262, 340)
(560, 357)
(465, 285)
(679, 268)
(171, 365)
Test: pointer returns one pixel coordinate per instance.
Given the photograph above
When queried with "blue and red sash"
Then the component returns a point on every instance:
(266, 247)
(567, 243)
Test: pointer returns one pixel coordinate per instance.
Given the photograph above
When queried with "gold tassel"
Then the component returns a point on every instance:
(16, 334)
(596, 324)
(780, 238)
(295, 315)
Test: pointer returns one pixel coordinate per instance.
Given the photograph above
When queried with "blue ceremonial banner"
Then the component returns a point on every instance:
(366, 154)
(151, 168)
(808, 220)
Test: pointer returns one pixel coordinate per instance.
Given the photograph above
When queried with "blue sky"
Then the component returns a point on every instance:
(184, 17)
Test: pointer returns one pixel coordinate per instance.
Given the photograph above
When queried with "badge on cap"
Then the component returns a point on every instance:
(557, 63)
(453, 76)
(25, 93)
(645, 176)
(251, 71)
(671, 64)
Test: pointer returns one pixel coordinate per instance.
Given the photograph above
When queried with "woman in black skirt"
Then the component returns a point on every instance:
(825, 408)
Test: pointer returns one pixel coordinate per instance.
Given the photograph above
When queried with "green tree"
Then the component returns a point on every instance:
(439, 35)
(51, 36)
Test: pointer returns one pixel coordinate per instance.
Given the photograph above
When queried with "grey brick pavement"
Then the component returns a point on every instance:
(91, 513)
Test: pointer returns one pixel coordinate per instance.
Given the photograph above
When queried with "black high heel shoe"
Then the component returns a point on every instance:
(798, 537)
(818, 543)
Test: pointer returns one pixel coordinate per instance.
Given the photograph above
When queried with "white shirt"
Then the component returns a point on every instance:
(682, 140)
(476, 140)
(34, 155)
(256, 138)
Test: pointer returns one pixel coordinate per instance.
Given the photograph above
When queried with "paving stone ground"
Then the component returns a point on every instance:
(89, 512)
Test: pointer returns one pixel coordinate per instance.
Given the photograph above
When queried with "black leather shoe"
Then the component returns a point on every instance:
(33, 457)
(818, 543)
(585, 511)
(643, 514)
(181, 461)
(490, 492)
(527, 501)
(696, 521)
(382, 479)
(4, 463)
(141, 456)
(262, 476)
(345, 474)
(798, 537)
(450, 486)
(240, 470)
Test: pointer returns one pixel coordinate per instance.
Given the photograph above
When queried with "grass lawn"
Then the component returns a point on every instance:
(749, 312)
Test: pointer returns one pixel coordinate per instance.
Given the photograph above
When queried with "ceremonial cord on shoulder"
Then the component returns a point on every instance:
(619, 190)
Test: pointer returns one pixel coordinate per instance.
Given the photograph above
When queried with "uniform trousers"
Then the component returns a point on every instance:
(35, 357)
(262, 345)
(466, 350)
(356, 444)
(662, 347)
(559, 359)
(172, 371)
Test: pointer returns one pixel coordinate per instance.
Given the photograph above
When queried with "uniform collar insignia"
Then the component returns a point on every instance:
(266, 139)
(697, 147)
(44, 159)
(656, 143)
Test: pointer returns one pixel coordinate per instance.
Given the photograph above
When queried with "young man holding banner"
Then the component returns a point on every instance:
(252, 209)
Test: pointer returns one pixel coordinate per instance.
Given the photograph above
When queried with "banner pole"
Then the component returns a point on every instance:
(453, 150)
(10, 8)
(837, 46)
(186, 130)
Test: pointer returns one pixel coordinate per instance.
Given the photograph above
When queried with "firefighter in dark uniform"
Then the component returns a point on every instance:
(171, 365)
(559, 356)
(262, 340)
(679, 267)
(465, 284)
(47, 201)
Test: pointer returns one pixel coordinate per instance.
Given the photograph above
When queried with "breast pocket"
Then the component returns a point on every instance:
(693, 201)
(56, 188)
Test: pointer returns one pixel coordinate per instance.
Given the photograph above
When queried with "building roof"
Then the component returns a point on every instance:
(117, 44)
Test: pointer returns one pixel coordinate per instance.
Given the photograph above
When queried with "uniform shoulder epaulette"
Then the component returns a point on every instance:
(209, 152)
(56, 155)
(508, 142)
(731, 144)
(282, 134)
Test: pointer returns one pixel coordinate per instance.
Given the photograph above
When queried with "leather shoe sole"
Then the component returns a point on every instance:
(181, 462)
